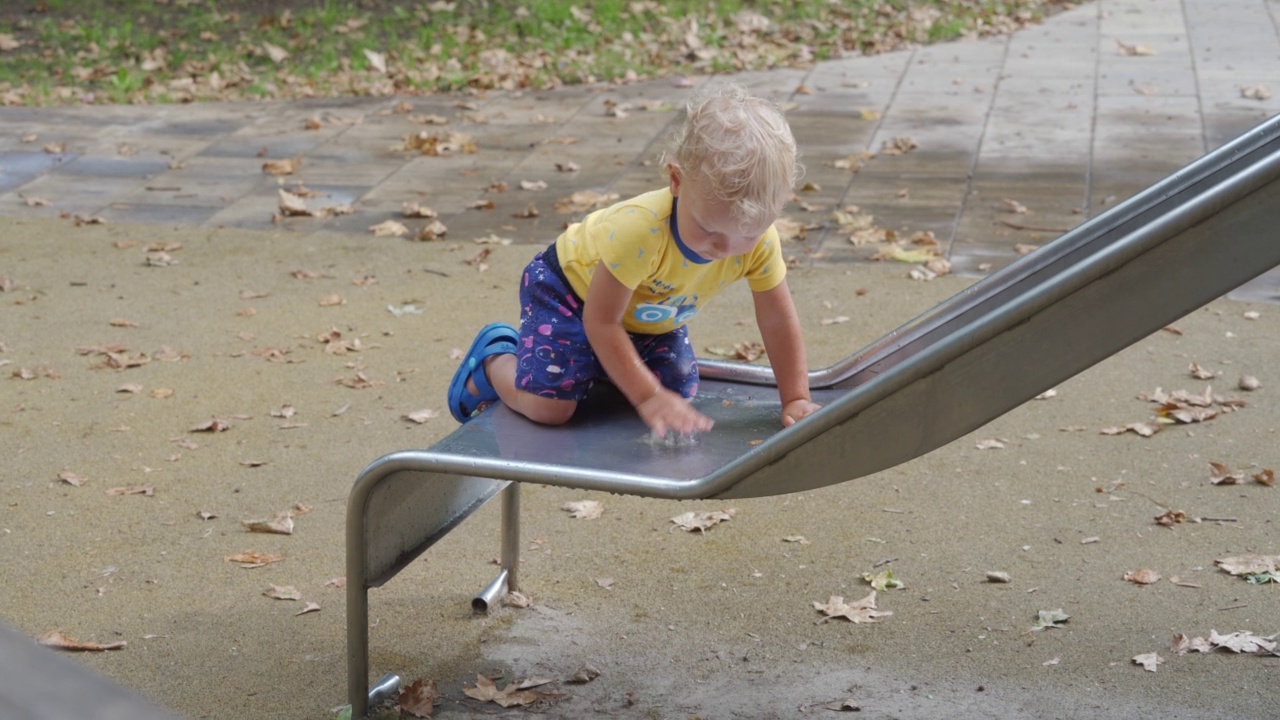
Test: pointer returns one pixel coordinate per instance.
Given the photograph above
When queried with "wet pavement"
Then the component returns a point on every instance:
(1063, 119)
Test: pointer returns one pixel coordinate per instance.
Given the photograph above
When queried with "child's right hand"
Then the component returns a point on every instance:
(668, 411)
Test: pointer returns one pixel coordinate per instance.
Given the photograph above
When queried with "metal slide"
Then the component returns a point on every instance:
(1113, 280)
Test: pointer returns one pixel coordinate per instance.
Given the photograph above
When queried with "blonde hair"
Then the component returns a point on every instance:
(742, 147)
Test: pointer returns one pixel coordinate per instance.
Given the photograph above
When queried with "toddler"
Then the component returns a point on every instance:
(611, 296)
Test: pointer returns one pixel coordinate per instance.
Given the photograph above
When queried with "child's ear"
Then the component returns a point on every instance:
(673, 171)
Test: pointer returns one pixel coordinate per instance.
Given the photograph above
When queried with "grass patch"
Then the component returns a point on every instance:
(144, 51)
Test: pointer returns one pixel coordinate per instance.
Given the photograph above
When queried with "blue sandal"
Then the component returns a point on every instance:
(493, 339)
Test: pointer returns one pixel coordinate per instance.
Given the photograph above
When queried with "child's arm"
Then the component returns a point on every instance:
(661, 409)
(783, 342)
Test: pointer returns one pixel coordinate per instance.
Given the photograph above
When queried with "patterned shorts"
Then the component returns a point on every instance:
(554, 359)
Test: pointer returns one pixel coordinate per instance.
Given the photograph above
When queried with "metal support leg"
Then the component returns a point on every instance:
(507, 579)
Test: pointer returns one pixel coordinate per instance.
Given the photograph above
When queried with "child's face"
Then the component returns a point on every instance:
(707, 225)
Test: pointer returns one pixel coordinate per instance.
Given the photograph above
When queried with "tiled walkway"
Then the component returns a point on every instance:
(1063, 119)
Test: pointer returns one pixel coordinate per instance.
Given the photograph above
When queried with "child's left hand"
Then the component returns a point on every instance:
(797, 410)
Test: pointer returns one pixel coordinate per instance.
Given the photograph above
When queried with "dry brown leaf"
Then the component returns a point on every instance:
(253, 559)
(861, 611)
(1241, 642)
(291, 205)
(583, 509)
(213, 425)
(898, 146)
(287, 166)
(414, 210)
(421, 416)
(433, 230)
(418, 699)
(282, 592)
(55, 639)
(703, 521)
(1248, 383)
(1265, 477)
(147, 490)
(585, 200)
(389, 228)
(1200, 373)
(332, 301)
(1133, 50)
(1148, 660)
(1220, 474)
(72, 479)
(310, 607)
(1142, 576)
(1169, 518)
(1143, 429)
(510, 696)
(1249, 564)
(280, 524)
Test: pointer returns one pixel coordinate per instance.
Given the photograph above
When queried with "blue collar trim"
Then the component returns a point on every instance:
(688, 254)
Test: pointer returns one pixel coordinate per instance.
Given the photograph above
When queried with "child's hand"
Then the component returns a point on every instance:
(797, 410)
(668, 411)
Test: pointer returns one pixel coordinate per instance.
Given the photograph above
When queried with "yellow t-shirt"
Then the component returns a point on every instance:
(636, 240)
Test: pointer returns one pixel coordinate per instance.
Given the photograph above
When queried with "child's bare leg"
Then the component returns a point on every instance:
(501, 371)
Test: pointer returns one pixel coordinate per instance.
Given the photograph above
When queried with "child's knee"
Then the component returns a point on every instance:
(548, 411)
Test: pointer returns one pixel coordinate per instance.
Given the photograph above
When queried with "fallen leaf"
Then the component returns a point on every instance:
(1220, 474)
(310, 607)
(703, 521)
(585, 674)
(798, 539)
(1249, 564)
(414, 210)
(421, 416)
(275, 52)
(510, 696)
(1050, 619)
(1148, 660)
(997, 576)
(287, 166)
(214, 425)
(517, 599)
(898, 146)
(55, 639)
(1265, 477)
(1248, 382)
(332, 301)
(862, 611)
(389, 228)
(147, 490)
(1183, 644)
(883, 580)
(1170, 518)
(990, 444)
(1143, 429)
(418, 698)
(283, 592)
(254, 559)
(72, 479)
(336, 582)
(1143, 576)
(1241, 642)
(1255, 92)
(1014, 206)
(280, 524)
(377, 60)
(583, 509)
(1132, 50)
(1200, 373)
